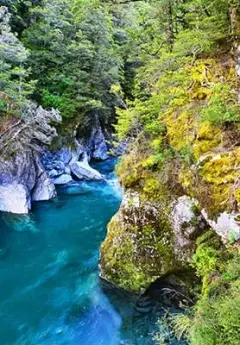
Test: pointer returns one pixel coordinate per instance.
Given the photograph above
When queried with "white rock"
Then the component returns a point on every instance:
(44, 189)
(186, 223)
(131, 199)
(53, 173)
(225, 225)
(238, 61)
(82, 170)
(63, 179)
(14, 198)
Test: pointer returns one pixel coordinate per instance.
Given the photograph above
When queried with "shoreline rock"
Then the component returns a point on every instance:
(30, 176)
(147, 240)
(23, 179)
(15, 198)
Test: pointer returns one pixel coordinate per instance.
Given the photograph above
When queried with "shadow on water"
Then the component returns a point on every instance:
(50, 290)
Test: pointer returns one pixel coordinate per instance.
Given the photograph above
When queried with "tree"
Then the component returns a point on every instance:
(14, 84)
(74, 59)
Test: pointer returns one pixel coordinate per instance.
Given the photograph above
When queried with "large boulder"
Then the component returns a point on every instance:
(82, 170)
(147, 240)
(15, 198)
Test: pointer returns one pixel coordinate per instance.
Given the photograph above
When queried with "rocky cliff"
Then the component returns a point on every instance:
(30, 173)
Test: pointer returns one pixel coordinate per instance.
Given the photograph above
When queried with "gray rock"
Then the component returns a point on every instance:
(15, 198)
(187, 224)
(82, 170)
(21, 169)
(227, 225)
(79, 152)
(21, 178)
(64, 155)
(63, 179)
(238, 61)
(68, 171)
(98, 142)
(55, 160)
(53, 173)
(44, 188)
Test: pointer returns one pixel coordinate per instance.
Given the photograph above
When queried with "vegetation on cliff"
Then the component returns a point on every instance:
(182, 123)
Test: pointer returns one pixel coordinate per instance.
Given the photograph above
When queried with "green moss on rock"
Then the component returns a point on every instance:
(140, 245)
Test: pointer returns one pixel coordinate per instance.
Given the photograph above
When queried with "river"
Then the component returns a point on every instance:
(51, 293)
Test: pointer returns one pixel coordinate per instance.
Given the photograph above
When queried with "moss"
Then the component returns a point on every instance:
(180, 129)
(192, 156)
(236, 194)
(207, 138)
(221, 173)
(212, 182)
(128, 170)
(222, 169)
(138, 248)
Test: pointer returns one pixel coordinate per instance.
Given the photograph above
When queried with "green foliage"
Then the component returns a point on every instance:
(222, 106)
(14, 86)
(215, 318)
(75, 59)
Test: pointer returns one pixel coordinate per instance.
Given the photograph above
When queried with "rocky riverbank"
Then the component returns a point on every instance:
(32, 176)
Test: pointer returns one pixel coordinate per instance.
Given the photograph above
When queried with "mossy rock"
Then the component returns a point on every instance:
(140, 245)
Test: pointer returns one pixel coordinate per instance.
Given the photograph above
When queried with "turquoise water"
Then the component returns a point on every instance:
(50, 290)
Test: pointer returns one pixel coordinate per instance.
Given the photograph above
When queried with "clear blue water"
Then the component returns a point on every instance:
(50, 292)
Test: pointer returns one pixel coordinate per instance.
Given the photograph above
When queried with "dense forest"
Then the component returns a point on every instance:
(163, 77)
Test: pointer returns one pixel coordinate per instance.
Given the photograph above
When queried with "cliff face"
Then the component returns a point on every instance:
(29, 170)
(23, 179)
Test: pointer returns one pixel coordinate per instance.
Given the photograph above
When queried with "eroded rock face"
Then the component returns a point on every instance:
(98, 144)
(147, 240)
(15, 198)
(66, 162)
(23, 179)
(44, 189)
(56, 162)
